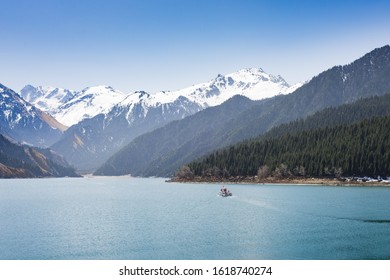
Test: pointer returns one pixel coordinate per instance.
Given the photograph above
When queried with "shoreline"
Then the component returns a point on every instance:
(286, 181)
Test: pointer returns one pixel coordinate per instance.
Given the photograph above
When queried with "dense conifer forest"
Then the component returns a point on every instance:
(325, 144)
(162, 151)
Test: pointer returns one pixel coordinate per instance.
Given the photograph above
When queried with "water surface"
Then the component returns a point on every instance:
(132, 218)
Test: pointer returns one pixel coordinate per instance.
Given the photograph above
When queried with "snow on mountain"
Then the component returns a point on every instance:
(253, 83)
(294, 87)
(88, 103)
(142, 107)
(70, 107)
(119, 118)
(13, 108)
(48, 99)
(24, 122)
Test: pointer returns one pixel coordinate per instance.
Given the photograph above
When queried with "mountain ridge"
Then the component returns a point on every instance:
(226, 111)
(22, 161)
(26, 123)
(366, 76)
(93, 140)
(71, 107)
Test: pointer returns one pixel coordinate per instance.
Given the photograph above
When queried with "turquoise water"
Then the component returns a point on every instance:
(131, 218)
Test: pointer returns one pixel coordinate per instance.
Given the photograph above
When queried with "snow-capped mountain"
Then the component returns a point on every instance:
(90, 142)
(48, 99)
(253, 83)
(70, 107)
(24, 122)
(88, 103)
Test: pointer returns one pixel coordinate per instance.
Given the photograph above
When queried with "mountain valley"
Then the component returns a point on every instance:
(108, 132)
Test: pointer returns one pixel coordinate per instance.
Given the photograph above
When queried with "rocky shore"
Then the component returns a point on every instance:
(273, 180)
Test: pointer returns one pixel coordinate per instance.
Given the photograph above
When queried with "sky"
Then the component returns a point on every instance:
(157, 45)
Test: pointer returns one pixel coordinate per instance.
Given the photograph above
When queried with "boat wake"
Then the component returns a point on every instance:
(259, 203)
(373, 221)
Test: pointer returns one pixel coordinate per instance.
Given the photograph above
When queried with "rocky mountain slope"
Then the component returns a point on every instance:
(24, 122)
(93, 140)
(367, 76)
(22, 161)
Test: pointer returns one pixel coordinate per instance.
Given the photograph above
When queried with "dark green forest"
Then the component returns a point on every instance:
(360, 149)
(357, 111)
(162, 151)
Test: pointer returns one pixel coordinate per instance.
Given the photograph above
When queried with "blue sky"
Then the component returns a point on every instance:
(166, 45)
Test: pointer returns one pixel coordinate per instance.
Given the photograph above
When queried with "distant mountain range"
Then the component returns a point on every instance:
(162, 151)
(48, 99)
(25, 123)
(153, 134)
(106, 125)
(102, 120)
(71, 107)
(174, 143)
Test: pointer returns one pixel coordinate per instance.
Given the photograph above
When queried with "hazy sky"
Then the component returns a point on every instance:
(165, 45)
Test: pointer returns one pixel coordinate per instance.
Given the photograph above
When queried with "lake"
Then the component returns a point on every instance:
(135, 218)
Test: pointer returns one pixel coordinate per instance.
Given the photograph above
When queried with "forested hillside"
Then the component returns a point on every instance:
(345, 114)
(317, 146)
(135, 157)
(172, 146)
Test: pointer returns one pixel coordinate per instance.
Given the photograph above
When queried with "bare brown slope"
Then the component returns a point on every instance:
(52, 121)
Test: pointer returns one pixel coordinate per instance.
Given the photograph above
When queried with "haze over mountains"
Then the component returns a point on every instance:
(107, 119)
(70, 107)
(153, 134)
(22, 161)
(161, 156)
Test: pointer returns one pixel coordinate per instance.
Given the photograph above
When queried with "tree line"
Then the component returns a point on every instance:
(360, 149)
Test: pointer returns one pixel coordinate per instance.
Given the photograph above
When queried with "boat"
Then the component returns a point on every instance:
(224, 192)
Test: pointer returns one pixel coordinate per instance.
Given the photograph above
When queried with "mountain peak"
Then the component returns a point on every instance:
(99, 89)
(142, 94)
(70, 107)
(252, 70)
(28, 87)
(23, 121)
(88, 103)
(254, 75)
(46, 98)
